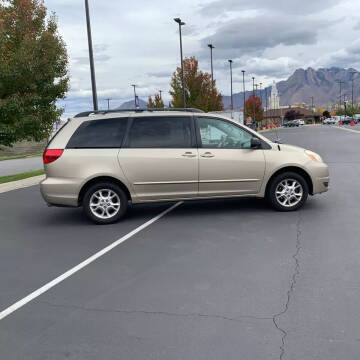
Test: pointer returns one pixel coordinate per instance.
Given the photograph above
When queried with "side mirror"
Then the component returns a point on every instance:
(255, 143)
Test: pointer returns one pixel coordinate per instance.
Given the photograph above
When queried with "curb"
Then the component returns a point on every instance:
(343, 128)
(14, 185)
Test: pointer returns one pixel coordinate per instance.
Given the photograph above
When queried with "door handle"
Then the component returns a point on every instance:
(188, 154)
(207, 155)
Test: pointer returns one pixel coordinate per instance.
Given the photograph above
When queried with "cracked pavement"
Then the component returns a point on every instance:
(224, 279)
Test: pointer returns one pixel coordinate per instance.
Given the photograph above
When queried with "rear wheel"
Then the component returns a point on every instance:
(105, 203)
(288, 192)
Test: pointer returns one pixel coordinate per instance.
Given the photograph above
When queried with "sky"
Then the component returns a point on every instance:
(137, 42)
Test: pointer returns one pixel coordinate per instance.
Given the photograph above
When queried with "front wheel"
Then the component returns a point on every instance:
(105, 203)
(288, 192)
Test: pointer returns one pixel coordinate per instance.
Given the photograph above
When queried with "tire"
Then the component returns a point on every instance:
(112, 200)
(290, 200)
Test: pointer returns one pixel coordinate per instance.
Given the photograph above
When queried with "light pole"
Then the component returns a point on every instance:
(181, 23)
(211, 59)
(243, 75)
(108, 102)
(160, 91)
(253, 79)
(91, 57)
(231, 84)
(261, 93)
(312, 106)
(352, 92)
(340, 83)
(134, 86)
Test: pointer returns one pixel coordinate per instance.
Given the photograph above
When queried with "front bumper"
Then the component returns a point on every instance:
(320, 178)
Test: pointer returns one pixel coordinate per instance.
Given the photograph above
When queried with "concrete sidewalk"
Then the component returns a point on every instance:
(13, 185)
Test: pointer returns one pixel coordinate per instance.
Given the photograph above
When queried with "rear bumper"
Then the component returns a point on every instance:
(60, 191)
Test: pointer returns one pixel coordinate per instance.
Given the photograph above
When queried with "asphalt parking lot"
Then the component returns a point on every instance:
(224, 279)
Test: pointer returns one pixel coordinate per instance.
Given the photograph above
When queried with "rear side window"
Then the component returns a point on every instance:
(160, 132)
(106, 133)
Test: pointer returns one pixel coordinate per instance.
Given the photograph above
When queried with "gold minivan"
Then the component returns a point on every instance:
(105, 160)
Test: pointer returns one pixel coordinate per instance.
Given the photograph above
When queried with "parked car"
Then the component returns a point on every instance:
(346, 120)
(106, 160)
(292, 123)
(301, 122)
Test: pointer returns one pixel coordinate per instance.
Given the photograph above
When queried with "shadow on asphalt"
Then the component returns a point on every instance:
(193, 208)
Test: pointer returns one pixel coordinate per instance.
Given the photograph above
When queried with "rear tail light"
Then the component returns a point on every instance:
(51, 155)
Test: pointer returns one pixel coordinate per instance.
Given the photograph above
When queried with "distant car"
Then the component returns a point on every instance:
(346, 120)
(293, 123)
(301, 122)
(330, 121)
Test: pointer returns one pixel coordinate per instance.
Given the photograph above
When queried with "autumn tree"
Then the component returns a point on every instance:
(292, 114)
(157, 103)
(326, 114)
(33, 71)
(150, 103)
(200, 90)
(253, 105)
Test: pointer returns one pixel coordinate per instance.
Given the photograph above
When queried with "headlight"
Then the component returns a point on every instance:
(313, 156)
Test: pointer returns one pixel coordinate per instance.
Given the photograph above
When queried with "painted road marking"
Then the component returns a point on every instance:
(19, 304)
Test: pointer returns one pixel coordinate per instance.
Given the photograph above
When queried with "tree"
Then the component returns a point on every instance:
(292, 114)
(251, 102)
(320, 110)
(200, 90)
(156, 103)
(150, 103)
(33, 71)
(159, 104)
(326, 114)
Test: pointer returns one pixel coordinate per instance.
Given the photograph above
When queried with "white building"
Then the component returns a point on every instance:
(274, 100)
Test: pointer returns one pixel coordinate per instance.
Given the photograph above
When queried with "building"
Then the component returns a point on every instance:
(274, 100)
(278, 116)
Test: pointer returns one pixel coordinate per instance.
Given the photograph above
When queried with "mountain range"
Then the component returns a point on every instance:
(321, 84)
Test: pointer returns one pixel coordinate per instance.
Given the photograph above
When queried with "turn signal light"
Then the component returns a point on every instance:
(51, 155)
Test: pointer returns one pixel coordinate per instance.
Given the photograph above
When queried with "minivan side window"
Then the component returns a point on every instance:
(102, 134)
(160, 132)
(221, 134)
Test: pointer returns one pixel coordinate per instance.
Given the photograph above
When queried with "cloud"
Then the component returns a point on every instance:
(161, 74)
(254, 35)
(219, 7)
(345, 57)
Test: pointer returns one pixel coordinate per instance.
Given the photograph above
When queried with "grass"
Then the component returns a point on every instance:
(21, 176)
(11, 157)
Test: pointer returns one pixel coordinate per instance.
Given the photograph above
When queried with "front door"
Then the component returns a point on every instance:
(160, 159)
(227, 164)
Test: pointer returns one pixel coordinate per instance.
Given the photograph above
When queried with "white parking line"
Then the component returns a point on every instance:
(86, 262)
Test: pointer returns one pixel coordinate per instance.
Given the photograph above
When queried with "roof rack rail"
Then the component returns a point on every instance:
(103, 112)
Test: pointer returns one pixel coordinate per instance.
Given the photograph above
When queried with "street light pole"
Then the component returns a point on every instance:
(181, 23)
(108, 102)
(340, 83)
(211, 59)
(134, 86)
(160, 91)
(231, 85)
(352, 92)
(243, 75)
(253, 79)
(91, 57)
